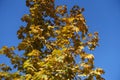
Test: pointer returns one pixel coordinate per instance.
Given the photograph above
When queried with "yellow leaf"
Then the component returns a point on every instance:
(76, 29)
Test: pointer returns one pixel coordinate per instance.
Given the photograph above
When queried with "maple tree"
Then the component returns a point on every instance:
(50, 42)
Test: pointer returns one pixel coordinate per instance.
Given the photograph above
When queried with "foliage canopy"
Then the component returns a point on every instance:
(51, 40)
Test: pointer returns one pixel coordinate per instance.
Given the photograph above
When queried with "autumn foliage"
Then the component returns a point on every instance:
(50, 42)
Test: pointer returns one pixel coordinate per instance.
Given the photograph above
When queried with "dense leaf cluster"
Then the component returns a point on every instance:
(51, 40)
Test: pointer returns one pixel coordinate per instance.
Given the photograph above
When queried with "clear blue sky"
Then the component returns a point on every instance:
(101, 15)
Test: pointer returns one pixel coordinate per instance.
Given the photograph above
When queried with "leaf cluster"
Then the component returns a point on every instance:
(51, 41)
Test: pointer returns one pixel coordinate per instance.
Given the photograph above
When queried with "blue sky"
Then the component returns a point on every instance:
(101, 15)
